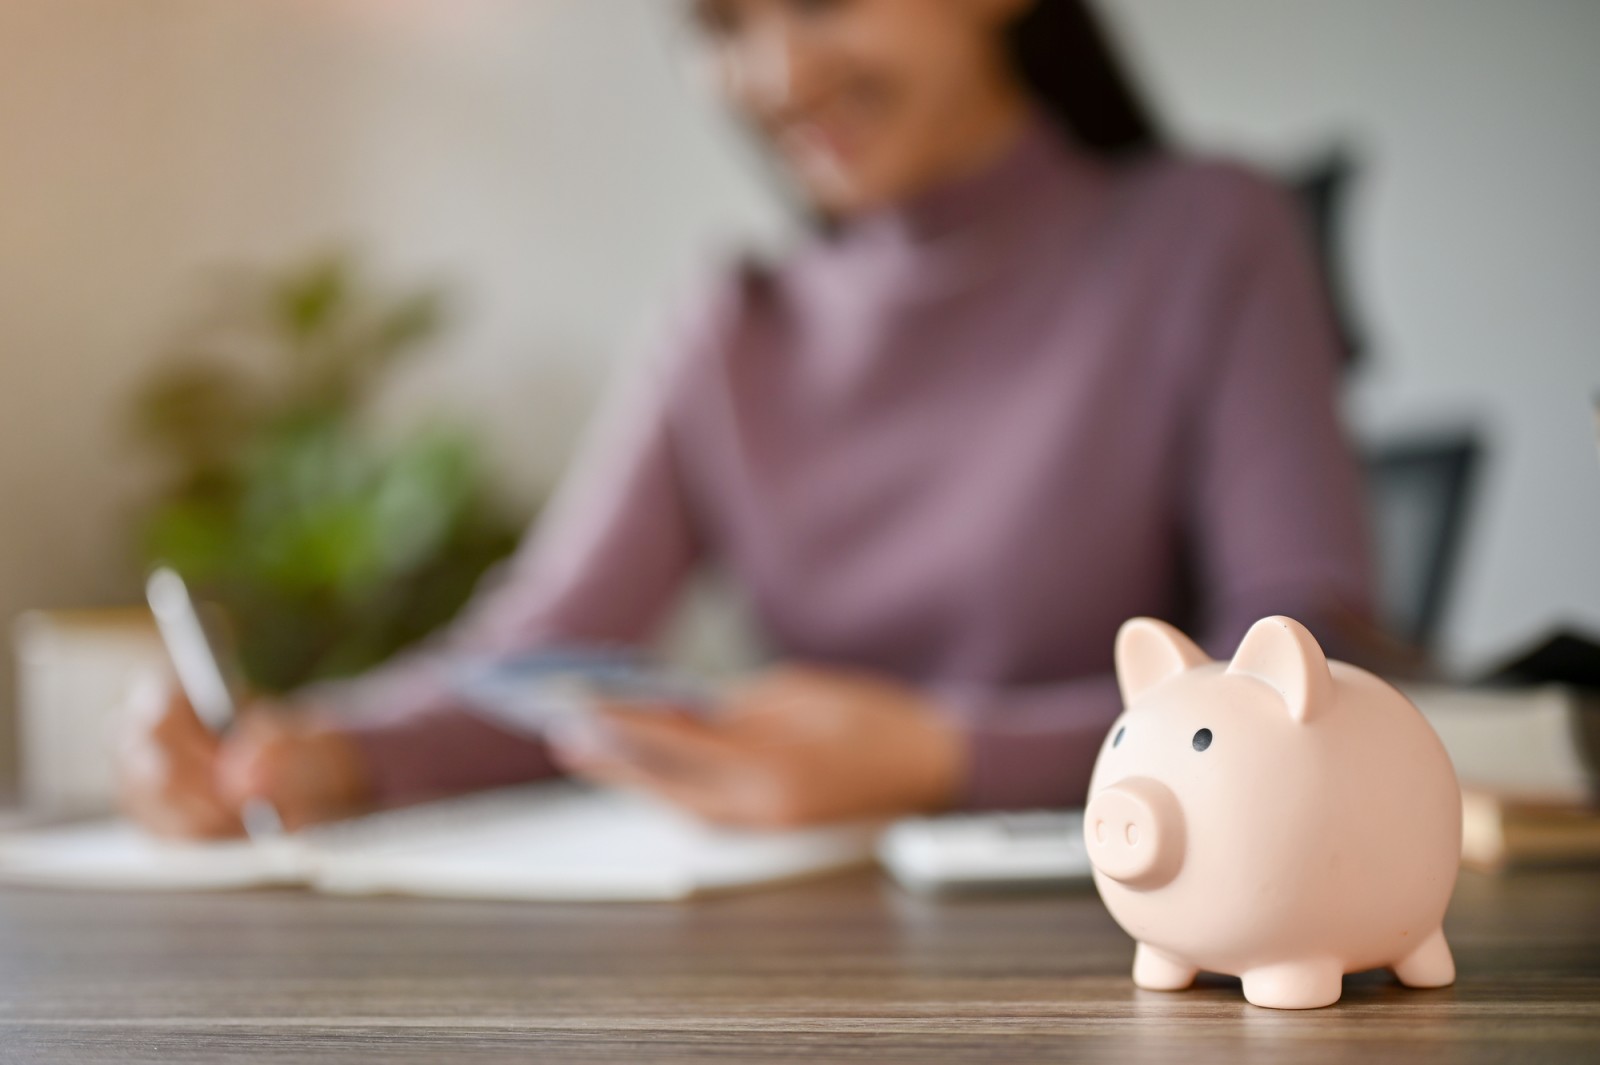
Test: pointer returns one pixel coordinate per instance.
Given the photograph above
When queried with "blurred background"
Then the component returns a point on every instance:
(520, 185)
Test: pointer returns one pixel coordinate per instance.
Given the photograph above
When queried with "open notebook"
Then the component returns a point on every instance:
(553, 841)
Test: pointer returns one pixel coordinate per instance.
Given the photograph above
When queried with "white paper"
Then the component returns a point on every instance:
(556, 841)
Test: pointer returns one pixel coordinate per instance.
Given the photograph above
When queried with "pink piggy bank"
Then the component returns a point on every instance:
(1280, 818)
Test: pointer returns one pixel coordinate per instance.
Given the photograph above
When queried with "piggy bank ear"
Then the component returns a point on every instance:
(1284, 654)
(1149, 652)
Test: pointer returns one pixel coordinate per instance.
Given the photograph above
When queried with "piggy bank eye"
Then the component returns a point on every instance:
(1202, 739)
(1118, 737)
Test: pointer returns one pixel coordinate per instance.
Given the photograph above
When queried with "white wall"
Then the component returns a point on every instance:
(549, 157)
(1476, 239)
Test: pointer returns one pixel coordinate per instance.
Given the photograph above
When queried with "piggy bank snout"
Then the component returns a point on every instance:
(1133, 830)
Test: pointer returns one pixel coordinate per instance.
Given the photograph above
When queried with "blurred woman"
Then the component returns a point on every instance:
(1028, 376)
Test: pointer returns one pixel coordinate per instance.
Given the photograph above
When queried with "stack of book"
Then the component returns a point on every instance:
(1528, 761)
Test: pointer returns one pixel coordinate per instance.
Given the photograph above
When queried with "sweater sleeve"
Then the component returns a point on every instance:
(602, 566)
(1273, 510)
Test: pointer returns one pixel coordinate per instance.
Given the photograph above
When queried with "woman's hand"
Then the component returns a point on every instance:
(179, 780)
(796, 746)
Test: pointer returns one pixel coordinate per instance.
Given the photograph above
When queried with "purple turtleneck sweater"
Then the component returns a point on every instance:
(957, 443)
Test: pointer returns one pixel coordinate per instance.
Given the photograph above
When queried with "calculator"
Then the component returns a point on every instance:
(982, 852)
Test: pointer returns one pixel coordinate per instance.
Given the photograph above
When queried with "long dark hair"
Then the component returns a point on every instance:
(1066, 61)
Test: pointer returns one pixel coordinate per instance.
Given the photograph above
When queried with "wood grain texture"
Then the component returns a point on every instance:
(846, 969)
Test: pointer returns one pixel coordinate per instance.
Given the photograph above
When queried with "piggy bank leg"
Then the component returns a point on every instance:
(1156, 970)
(1430, 965)
(1295, 985)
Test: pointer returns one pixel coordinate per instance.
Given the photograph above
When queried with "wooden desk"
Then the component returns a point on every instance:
(843, 969)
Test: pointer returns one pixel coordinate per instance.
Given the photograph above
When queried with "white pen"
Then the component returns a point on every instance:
(201, 677)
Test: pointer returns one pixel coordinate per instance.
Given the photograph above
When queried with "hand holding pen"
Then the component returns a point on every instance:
(191, 766)
(180, 780)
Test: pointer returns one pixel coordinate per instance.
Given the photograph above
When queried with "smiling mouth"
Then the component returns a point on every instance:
(810, 140)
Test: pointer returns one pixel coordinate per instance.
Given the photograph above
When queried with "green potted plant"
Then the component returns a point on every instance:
(329, 548)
